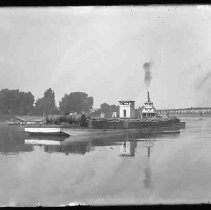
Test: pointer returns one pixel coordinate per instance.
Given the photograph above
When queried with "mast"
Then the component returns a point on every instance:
(148, 96)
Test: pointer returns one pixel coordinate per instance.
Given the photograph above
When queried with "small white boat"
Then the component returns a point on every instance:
(45, 131)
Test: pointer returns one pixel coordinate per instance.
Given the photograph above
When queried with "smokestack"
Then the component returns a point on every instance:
(148, 96)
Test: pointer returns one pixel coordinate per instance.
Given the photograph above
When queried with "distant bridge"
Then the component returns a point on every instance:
(204, 110)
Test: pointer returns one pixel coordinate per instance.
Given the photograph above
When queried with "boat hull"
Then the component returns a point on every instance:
(45, 131)
(65, 131)
(149, 130)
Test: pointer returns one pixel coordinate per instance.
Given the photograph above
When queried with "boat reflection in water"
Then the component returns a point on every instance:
(127, 142)
(149, 143)
(42, 142)
(147, 181)
(59, 145)
(127, 147)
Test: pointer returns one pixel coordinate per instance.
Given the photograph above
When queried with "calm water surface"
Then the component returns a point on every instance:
(124, 169)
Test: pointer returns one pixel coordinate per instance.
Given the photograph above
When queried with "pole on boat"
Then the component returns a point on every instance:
(148, 96)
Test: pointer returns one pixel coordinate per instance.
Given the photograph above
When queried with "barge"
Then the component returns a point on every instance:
(147, 122)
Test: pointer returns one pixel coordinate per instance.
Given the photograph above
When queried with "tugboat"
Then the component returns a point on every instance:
(148, 110)
(149, 114)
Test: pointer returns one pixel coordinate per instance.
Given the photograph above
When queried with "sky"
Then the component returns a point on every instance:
(101, 51)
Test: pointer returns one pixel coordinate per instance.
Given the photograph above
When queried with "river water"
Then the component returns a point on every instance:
(117, 170)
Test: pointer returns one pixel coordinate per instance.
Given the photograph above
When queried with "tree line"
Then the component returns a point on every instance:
(23, 103)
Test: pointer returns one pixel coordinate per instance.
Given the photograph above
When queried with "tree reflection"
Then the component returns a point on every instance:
(74, 148)
(12, 141)
(59, 146)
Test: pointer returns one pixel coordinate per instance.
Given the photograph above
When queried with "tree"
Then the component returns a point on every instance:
(26, 103)
(105, 108)
(114, 108)
(76, 102)
(46, 104)
(109, 109)
(16, 102)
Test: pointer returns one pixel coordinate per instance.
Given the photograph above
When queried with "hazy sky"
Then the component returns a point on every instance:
(102, 50)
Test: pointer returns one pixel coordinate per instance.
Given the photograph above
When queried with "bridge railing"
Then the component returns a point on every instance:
(185, 110)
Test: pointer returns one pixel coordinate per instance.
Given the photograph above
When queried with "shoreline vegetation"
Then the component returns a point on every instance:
(14, 103)
(6, 120)
(19, 103)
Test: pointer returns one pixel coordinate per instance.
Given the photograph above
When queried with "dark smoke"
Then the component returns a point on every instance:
(148, 77)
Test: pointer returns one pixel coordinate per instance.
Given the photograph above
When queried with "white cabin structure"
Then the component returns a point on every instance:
(127, 109)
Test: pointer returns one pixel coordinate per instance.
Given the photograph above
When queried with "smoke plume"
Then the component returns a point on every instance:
(148, 77)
